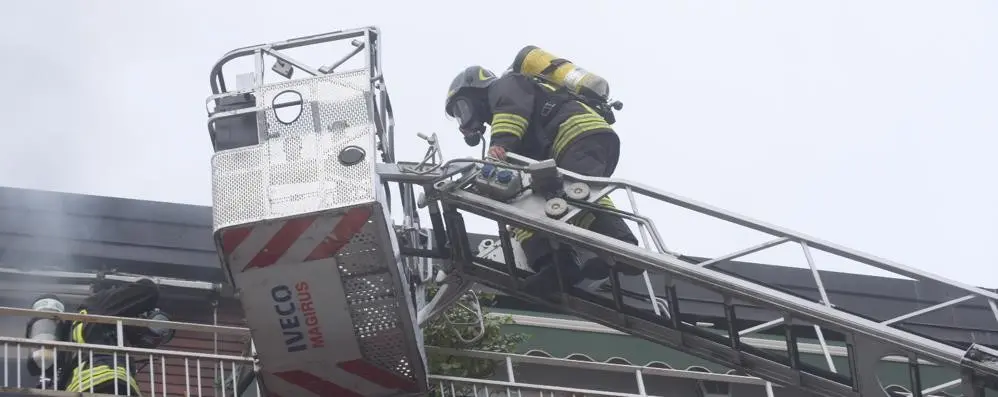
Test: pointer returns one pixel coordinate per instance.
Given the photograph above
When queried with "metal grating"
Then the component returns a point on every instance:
(374, 303)
(239, 180)
(296, 169)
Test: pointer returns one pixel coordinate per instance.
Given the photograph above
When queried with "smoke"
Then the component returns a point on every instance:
(37, 230)
(45, 129)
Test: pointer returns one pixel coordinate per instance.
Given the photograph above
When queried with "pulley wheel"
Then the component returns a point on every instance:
(555, 207)
(577, 191)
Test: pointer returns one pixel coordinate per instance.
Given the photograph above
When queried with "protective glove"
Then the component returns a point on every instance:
(497, 153)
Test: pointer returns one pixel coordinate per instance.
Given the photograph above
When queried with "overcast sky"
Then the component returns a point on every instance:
(868, 123)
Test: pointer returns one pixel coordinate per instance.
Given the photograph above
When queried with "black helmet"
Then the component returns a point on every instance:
(471, 78)
(466, 102)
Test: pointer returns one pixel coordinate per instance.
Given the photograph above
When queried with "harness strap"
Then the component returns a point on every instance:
(560, 95)
(553, 98)
(77, 329)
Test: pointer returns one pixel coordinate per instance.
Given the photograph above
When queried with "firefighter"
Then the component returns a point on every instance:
(135, 300)
(538, 120)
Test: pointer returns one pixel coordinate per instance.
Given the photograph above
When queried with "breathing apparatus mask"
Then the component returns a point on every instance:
(471, 117)
(152, 336)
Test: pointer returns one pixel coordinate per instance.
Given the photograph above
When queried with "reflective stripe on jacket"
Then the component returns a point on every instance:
(83, 378)
(533, 120)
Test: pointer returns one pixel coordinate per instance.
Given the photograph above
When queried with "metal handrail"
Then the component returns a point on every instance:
(226, 360)
(94, 318)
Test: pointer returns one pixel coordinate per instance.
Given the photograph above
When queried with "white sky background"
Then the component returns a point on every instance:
(870, 124)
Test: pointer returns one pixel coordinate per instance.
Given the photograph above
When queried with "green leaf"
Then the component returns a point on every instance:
(439, 333)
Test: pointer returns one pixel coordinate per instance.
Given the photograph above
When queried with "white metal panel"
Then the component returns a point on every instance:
(304, 236)
(296, 169)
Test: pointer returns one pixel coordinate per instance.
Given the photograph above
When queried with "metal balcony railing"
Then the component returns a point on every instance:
(170, 372)
(157, 372)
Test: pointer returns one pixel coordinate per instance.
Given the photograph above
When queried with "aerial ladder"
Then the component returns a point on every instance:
(303, 176)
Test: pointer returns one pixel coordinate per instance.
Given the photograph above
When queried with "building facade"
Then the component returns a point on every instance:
(49, 240)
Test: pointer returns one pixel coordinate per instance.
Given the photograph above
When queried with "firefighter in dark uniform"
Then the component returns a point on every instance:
(128, 300)
(538, 120)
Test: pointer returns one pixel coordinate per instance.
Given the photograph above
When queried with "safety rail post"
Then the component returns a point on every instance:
(84, 354)
(154, 355)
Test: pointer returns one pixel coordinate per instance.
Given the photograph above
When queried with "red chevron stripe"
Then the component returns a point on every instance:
(233, 237)
(378, 376)
(279, 244)
(315, 384)
(349, 225)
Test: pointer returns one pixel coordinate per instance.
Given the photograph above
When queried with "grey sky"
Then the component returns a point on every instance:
(871, 124)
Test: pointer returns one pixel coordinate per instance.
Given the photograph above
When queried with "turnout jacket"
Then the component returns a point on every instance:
(536, 120)
(129, 300)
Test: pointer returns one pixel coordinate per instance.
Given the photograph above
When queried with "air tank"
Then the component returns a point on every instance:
(45, 329)
(533, 61)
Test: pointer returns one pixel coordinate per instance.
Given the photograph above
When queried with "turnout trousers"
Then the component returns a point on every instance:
(593, 155)
(102, 376)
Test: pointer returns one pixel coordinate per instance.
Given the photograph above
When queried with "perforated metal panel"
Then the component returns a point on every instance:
(296, 169)
(287, 202)
(373, 298)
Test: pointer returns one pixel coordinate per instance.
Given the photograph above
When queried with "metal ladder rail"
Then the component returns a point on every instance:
(407, 173)
(730, 353)
(419, 174)
(615, 314)
(818, 313)
(783, 235)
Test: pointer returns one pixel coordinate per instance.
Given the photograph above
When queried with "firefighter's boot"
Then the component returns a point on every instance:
(545, 282)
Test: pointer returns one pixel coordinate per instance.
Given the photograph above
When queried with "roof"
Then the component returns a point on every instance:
(41, 229)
